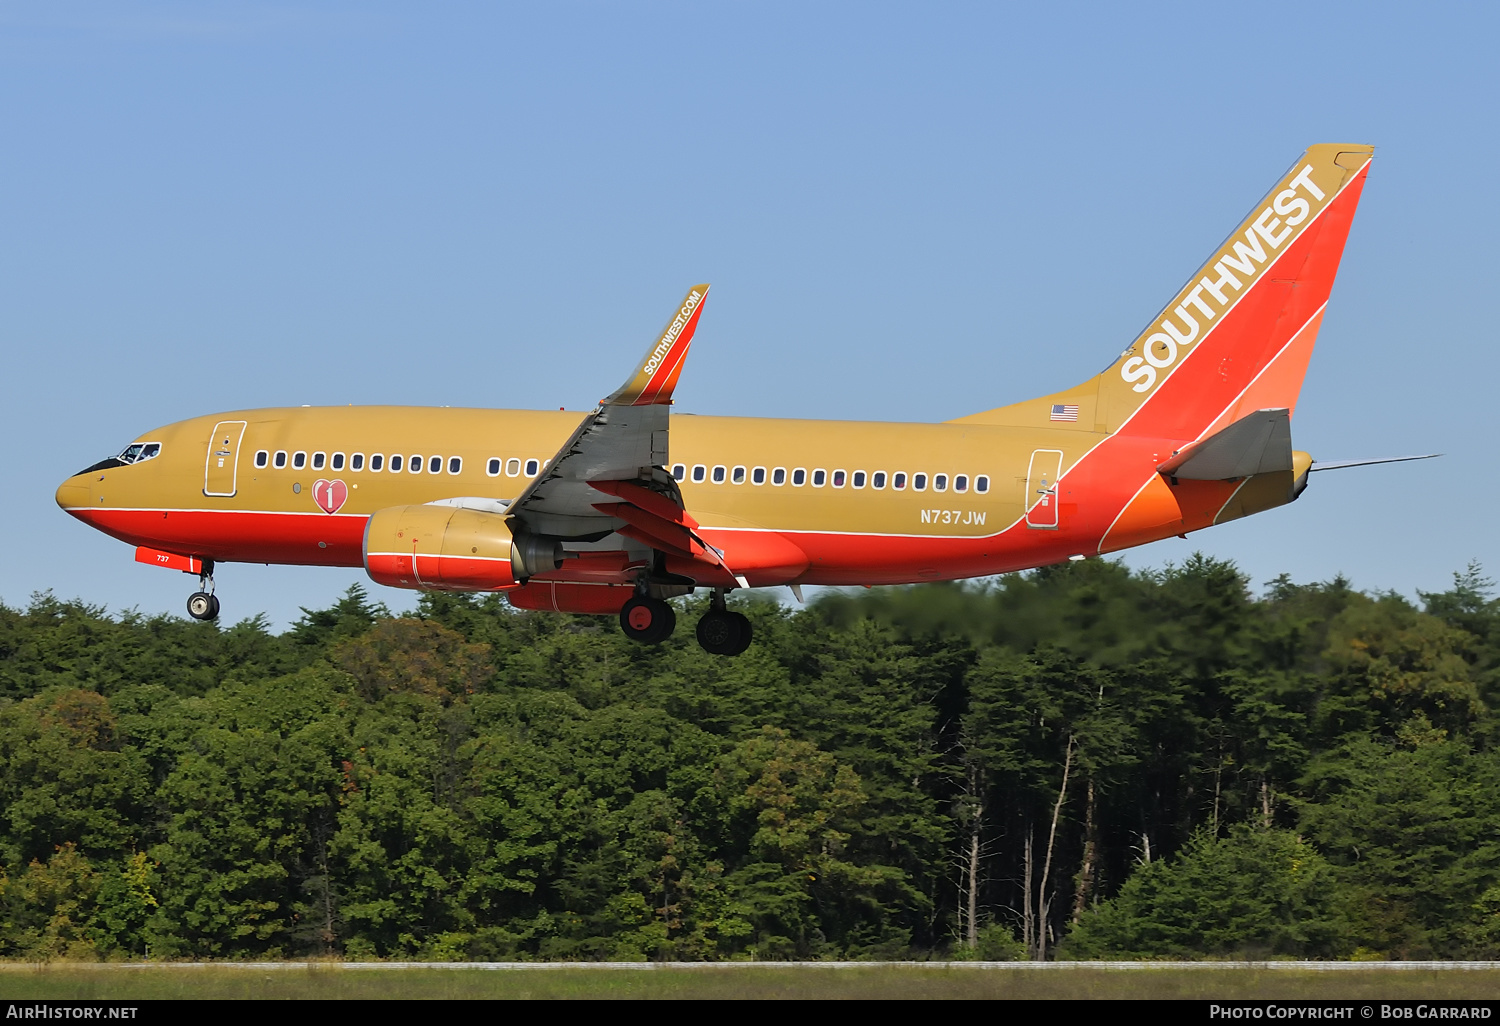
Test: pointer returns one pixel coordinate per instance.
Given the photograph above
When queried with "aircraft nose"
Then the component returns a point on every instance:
(73, 493)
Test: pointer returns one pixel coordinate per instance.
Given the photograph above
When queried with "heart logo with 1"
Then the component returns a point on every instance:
(330, 495)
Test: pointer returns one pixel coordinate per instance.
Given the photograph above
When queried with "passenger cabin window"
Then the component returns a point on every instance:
(877, 479)
(280, 458)
(898, 480)
(820, 478)
(700, 472)
(455, 464)
(738, 475)
(839, 478)
(719, 472)
(262, 458)
(492, 468)
(337, 463)
(859, 479)
(679, 472)
(799, 477)
(299, 460)
(414, 464)
(435, 465)
(940, 483)
(319, 458)
(357, 461)
(778, 476)
(758, 476)
(377, 463)
(961, 483)
(512, 468)
(981, 484)
(532, 468)
(395, 464)
(919, 482)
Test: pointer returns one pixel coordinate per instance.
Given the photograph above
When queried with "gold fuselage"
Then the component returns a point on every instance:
(851, 535)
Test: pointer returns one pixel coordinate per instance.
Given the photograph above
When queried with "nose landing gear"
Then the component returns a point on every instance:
(203, 604)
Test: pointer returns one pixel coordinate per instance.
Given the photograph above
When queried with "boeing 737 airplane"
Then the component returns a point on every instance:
(1189, 427)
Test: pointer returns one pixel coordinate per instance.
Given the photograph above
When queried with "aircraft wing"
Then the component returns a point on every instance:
(619, 452)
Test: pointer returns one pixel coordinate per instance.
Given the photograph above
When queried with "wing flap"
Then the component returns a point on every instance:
(652, 502)
(659, 533)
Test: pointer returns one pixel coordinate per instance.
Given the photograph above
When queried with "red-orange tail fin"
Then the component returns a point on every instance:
(1238, 336)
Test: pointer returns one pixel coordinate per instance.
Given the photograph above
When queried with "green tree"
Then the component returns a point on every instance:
(1254, 893)
(68, 777)
(790, 806)
(1411, 824)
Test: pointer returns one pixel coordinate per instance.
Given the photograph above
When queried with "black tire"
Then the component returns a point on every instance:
(717, 632)
(202, 606)
(215, 614)
(721, 632)
(647, 620)
(669, 622)
(746, 634)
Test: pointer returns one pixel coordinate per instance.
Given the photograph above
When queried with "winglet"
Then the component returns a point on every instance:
(656, 377)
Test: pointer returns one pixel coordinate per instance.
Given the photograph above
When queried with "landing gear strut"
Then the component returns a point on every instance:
(647, 620)
(203, 604)
(722, 632)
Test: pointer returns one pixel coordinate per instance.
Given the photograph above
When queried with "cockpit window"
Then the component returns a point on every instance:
(136, 452)
(140, 452)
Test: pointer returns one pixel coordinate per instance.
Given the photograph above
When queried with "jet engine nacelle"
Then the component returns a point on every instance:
(441, 548)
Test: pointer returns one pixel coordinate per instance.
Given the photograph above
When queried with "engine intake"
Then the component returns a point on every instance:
(440, 548)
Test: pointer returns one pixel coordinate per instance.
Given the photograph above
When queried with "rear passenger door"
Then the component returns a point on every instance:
(1041, 488)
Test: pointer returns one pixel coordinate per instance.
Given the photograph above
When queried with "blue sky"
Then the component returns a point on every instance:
(908, 212)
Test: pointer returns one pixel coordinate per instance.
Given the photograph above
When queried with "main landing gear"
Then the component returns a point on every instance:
(648, 620)
(722, 632)
(651, 621)
(203, 604)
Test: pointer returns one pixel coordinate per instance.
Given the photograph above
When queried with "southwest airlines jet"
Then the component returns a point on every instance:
(1190, 426)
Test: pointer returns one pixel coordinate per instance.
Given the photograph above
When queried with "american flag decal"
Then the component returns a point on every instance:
(1067, 413)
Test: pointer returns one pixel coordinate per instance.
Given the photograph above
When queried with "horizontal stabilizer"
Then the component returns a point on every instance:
(1258, 444)
(1341, 464)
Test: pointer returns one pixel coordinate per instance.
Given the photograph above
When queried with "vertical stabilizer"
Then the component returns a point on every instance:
(1237, 337)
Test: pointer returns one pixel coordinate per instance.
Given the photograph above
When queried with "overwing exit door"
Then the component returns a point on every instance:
(1041, 488)
(221, 468)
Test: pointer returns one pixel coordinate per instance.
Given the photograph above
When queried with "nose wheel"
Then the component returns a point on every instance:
(203, 604)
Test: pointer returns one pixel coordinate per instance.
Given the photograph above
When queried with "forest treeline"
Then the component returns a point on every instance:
(1078, 762)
